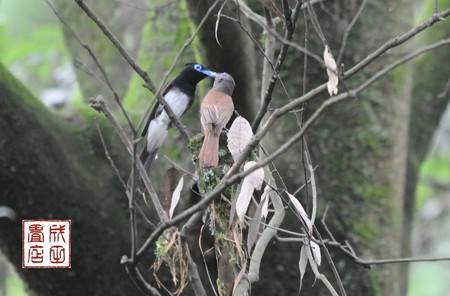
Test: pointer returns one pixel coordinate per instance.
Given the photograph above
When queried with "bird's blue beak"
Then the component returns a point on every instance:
(209, 73)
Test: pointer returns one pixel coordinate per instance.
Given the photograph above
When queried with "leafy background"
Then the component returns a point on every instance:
(32, 47)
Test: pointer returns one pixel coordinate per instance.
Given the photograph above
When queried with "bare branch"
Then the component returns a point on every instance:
(193, 275)
(331, 262)
(140, 281)
(231, 176)
(348, 29)
(369, 263)
(175, 60)
(99, 105)
(144, 75)
(289, 33)
(96, 61)
(396, 41)
(108, 155)
(315, 22)
(266, 236)
(320, 276)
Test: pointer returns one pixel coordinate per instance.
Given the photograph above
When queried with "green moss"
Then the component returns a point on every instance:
(220, 239)
(170, 253)
(374, 277)
(366, 230)
(221, 287)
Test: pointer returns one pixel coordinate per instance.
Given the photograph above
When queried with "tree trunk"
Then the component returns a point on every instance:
(49, 169)
(360, 148)
(235, 54)
(430, 96)
(52, 170)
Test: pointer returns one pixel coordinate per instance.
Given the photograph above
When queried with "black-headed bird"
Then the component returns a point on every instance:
(179, 95)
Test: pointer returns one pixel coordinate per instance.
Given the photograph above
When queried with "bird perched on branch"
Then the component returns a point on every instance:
(215, 112)
(179, 95)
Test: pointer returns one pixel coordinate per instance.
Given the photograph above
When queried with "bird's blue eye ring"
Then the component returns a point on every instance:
(198, 67)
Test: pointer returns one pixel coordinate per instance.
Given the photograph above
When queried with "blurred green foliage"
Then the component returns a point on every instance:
(14, 286)
(31, 43)
(435, 167)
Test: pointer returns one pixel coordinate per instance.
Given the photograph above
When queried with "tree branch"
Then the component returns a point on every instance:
(144, 75)
(290, 28)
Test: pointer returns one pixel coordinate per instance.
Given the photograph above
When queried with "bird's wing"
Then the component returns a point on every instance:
(216, 109)
(208, 109)
(158, 108)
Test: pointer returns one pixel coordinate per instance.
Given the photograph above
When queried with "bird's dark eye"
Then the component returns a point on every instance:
(198, 67)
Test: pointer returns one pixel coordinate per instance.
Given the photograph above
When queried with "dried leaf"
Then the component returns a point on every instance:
(256, 178)
(254, 227)
(170, 182)
(253, 181)
(301, 211)
(240, 275)
(333, 79)
(239, 136)
(303, 262)
(243, 199)
(316, 252)
(237, 239)
(265, 201)
(176, 197)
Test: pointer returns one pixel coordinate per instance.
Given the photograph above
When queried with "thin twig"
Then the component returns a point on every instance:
(260, 21)
(369, 263)
(320, 276)
(331, 262)
(315, 22)
(312, 2)
(144, 75)
(348, 29)
(96, 61)
(193, 275)
(146, 8)
(140, 281)
(231, 176)
(99, 105)
(175, 60)
(261, 245)
(108, 155)
(313, 187)
(289, 33)
(396, 41)
(324, 217)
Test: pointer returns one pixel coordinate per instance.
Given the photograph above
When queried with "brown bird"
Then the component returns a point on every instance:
(215, 112)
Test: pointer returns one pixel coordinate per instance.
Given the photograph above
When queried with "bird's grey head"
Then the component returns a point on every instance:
(224, 82)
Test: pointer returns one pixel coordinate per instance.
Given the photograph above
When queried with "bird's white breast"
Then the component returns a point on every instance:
(157, 129)
(178, 102)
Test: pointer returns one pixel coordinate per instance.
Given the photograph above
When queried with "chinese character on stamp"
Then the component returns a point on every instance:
(46, 244)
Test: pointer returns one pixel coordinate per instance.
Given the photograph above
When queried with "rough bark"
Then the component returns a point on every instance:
(360, 149)
(50, 169)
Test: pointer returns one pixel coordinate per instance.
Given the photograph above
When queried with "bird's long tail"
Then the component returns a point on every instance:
(209, 154)
(147, 160)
